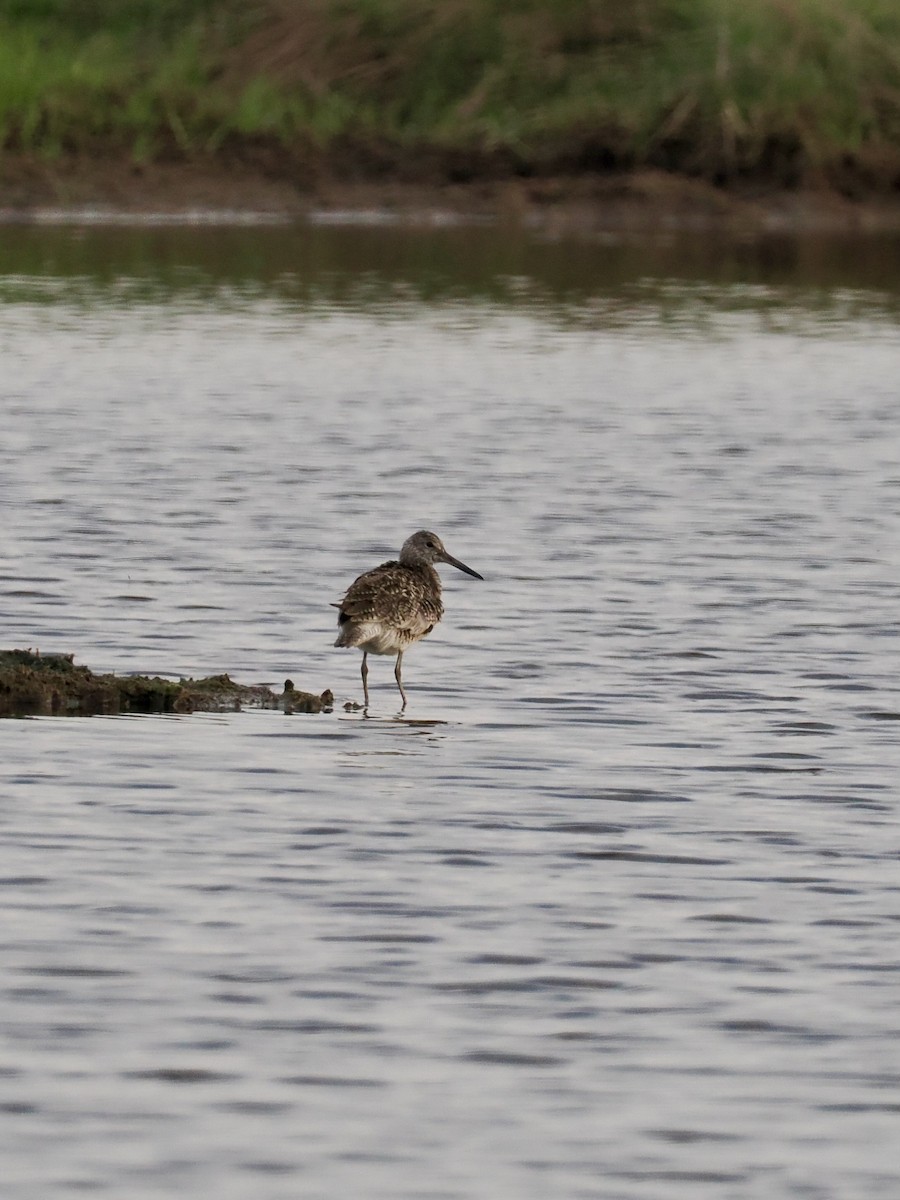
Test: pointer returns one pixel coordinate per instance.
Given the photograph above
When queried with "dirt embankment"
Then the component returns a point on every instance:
(674, 113)
(258, 181)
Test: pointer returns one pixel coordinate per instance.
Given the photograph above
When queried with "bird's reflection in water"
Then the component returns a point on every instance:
(393, 721)
(393, 735)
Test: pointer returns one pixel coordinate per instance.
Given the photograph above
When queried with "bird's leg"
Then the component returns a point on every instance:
(365, 675)
(398, 677)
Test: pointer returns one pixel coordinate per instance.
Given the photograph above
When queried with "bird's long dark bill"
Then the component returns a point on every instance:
(461, 566)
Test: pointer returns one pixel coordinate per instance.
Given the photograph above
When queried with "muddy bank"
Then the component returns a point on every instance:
(247, 187)
(32, 684)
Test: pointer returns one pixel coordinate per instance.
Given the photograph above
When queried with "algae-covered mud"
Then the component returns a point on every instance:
(32, 684)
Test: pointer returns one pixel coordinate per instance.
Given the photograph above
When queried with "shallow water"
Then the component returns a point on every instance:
(614, 911)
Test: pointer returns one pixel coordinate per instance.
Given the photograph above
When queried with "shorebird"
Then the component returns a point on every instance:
(390, 607)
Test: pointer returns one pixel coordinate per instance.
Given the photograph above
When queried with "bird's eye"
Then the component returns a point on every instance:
(430, 545)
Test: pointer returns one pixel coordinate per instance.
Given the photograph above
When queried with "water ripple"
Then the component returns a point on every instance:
(616, 898)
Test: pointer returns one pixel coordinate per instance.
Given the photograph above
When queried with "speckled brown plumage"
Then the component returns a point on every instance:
(393, 605)
(404, 603)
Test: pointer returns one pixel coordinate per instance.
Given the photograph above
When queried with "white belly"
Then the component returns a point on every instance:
(381, 639)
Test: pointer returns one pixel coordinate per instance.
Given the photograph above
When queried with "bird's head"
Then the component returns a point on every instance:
(426, 548)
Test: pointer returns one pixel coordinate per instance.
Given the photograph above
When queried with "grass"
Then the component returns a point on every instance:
(787, 91)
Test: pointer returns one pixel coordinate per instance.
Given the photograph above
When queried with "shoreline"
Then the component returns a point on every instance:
(81, 191)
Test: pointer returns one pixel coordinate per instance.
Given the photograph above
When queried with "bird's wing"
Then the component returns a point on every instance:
(393, 594)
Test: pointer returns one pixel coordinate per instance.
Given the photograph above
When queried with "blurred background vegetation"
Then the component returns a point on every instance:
(786, 92)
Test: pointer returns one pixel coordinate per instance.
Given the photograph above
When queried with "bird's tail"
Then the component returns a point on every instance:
(349, 632)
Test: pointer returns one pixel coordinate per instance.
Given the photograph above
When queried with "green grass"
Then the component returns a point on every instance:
(785, 90)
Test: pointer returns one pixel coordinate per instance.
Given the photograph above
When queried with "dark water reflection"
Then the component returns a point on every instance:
(614, 911)
(372, 267)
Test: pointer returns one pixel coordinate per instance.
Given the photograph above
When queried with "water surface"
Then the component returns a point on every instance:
(614, 911)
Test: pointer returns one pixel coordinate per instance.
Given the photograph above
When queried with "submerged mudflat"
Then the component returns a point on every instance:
(32, 684)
